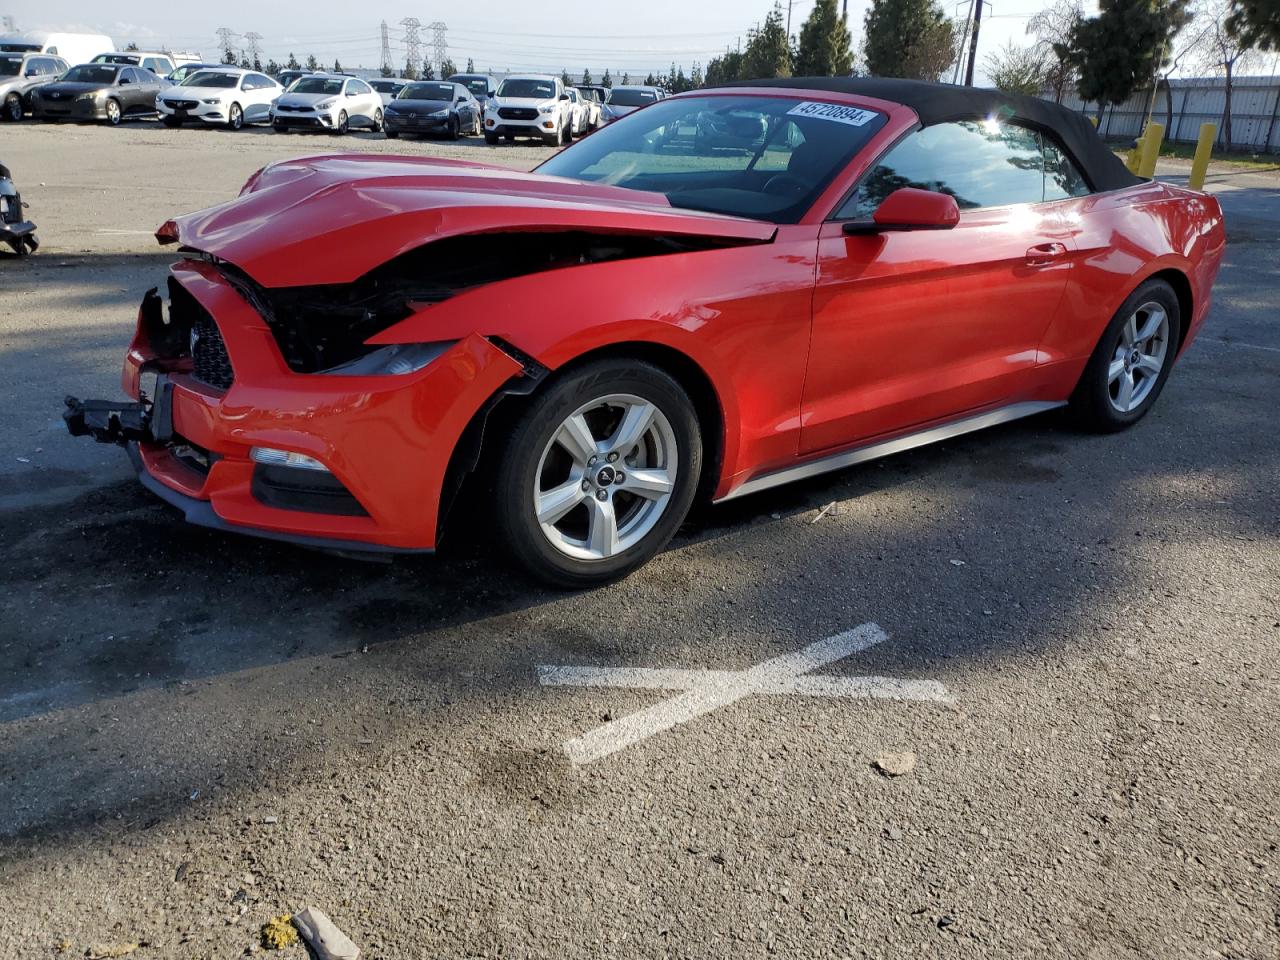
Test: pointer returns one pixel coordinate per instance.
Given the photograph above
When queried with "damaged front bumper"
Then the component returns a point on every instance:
(349, 463)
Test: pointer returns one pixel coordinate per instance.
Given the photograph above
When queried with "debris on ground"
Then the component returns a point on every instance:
(328, 942)
(832, 508)
(104, 952)
(278, 933)
(894, 764)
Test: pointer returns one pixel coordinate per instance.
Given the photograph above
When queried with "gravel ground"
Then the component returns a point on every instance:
(198, 732)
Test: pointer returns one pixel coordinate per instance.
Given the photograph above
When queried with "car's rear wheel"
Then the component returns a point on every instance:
(13, 107)
(598, 473)
(171, 121)
(114, 115)
(1131, 362)
(377, 120)
(235, 117)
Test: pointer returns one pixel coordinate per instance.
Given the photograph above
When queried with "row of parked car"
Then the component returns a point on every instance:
(117, 86)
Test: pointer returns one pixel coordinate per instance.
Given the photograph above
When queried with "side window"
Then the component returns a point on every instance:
(359, 86)
(982, 163)
(1062, 178)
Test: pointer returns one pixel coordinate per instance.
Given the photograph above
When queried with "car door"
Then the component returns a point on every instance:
(127, 90)
(916, 326)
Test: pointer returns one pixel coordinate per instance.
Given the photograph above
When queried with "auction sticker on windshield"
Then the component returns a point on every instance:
(853, 116)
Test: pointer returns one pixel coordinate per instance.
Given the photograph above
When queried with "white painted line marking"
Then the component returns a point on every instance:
(703, 691)
(1239, 343)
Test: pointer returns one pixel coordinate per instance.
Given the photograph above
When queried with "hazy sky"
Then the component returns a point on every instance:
(636, 36)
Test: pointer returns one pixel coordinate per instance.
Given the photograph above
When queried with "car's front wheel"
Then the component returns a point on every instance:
(598, 473)
(13, 107)
(235, 117)
(114, 115)
(344, 122)
(1131, 362)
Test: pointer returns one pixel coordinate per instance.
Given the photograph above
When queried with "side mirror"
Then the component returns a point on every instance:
(564, 96)
(909, 208)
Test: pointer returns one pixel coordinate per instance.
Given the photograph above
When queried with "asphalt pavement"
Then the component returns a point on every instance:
(1015, 695)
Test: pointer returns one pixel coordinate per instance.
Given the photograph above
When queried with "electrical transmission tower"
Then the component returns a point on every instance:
(387, 68)
(226, 43)
(255, 52)
(439, 46)
(412, 43)
(10, 25)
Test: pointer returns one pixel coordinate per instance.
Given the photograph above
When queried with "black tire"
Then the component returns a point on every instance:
(13, 109)
(553, 140)
(390, 134)
(454, 128)
(377, 120)
(171, 122)
(491, 139)
(1092, 405)
(519, 462)
(279, 128)
(115, 116)
(235, 117)
(344, 123)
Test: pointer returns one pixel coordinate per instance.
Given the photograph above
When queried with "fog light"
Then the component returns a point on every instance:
(489, 122)
(285, 458)
(548, 124)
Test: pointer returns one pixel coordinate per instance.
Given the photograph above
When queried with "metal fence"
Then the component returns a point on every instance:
(1185, 104)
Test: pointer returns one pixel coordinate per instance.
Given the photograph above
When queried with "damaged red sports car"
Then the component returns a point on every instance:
(727, 290)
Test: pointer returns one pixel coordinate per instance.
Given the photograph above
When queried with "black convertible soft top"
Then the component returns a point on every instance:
(944, 102)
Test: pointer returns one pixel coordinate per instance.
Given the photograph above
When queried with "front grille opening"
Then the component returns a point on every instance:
(309, 491)
(192, 455)
(209, 359)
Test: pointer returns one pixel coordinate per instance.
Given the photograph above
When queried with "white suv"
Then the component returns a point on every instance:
(534, 105)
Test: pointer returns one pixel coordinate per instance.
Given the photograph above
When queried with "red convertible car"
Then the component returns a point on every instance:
(725, 291)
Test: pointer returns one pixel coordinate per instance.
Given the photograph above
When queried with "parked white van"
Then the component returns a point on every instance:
(74, 48)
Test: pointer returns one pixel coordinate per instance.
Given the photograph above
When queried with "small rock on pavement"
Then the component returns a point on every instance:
(894, 764)
(328, 942)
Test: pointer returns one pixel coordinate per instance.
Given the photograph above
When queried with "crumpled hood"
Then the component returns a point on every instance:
(331, 219)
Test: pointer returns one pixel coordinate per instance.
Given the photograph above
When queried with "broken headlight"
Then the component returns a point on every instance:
(393, 360)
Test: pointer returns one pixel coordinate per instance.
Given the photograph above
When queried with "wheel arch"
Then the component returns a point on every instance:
(1181, 284)
(481, 437)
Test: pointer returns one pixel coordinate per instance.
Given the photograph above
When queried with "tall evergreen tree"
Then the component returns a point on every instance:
(428, 71)
(447, 69)
(695, 76)
(908, 38)
(825, 49)
(564, 77)
(471, 65)
(607, 80)
(768, 52)
(586, 78)
(293, 63)
(1120, 51)
(273, 68)
(410, 70)
(337, 65)
(312, 62)
(1256, 23)
(650, 81)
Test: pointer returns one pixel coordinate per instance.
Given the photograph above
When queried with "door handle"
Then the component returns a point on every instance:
(1043, 254)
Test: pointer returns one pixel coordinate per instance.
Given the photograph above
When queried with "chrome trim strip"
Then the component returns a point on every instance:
(848, 458)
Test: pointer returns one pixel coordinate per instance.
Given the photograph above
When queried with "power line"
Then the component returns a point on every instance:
(412, 43)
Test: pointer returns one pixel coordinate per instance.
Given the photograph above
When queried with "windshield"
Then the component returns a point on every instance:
(385, 86)
(479, 86)
(528, 89)
(763, 157)
(9, 66)
(91, 73)
(209, 78)
(125, 58)
(317, 85)
(632, 98)
(427, 91)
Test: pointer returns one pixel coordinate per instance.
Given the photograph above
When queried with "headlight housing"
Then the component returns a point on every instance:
(90, 96)
(325, 105)
(214, 101)
(393, 360)
(547, 108)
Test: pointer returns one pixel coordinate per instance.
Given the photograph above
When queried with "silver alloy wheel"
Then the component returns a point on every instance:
(1139, 357)
(605, 477)
(113, 112)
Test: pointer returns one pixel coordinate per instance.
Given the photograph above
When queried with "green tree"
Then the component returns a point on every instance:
(1256, 23)
(725, 69)
(387, 70)
(229, 57)
(293, 63)
(471, 65)
(447, 69)
(1015, 69)
(768, 52)
(825, 48)
(607, 80)
(273, 68)
(312, 62)
(564, 77)
(650, 81)
(428, 71)
(1121, 50)
(626, 78)
(908, 38)
(586, 78)
(337, 65)
(245, 64)
(695, 76)
(131, 46)
(410, 70)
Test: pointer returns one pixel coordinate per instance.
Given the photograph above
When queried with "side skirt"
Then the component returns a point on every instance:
(849, 458)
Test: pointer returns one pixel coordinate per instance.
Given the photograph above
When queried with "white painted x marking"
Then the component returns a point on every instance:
(706, 690)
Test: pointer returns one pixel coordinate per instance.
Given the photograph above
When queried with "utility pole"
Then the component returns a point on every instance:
(964, 42)
(226, 38)
(412, 45)
(387, 68)
(439, 46)
(255, 53)
(973, 43)
(789, 17)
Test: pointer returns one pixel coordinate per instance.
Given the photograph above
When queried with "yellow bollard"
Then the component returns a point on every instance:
(1134, 157)
(1204, 148)
(1094, 120)
(1151, 150)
